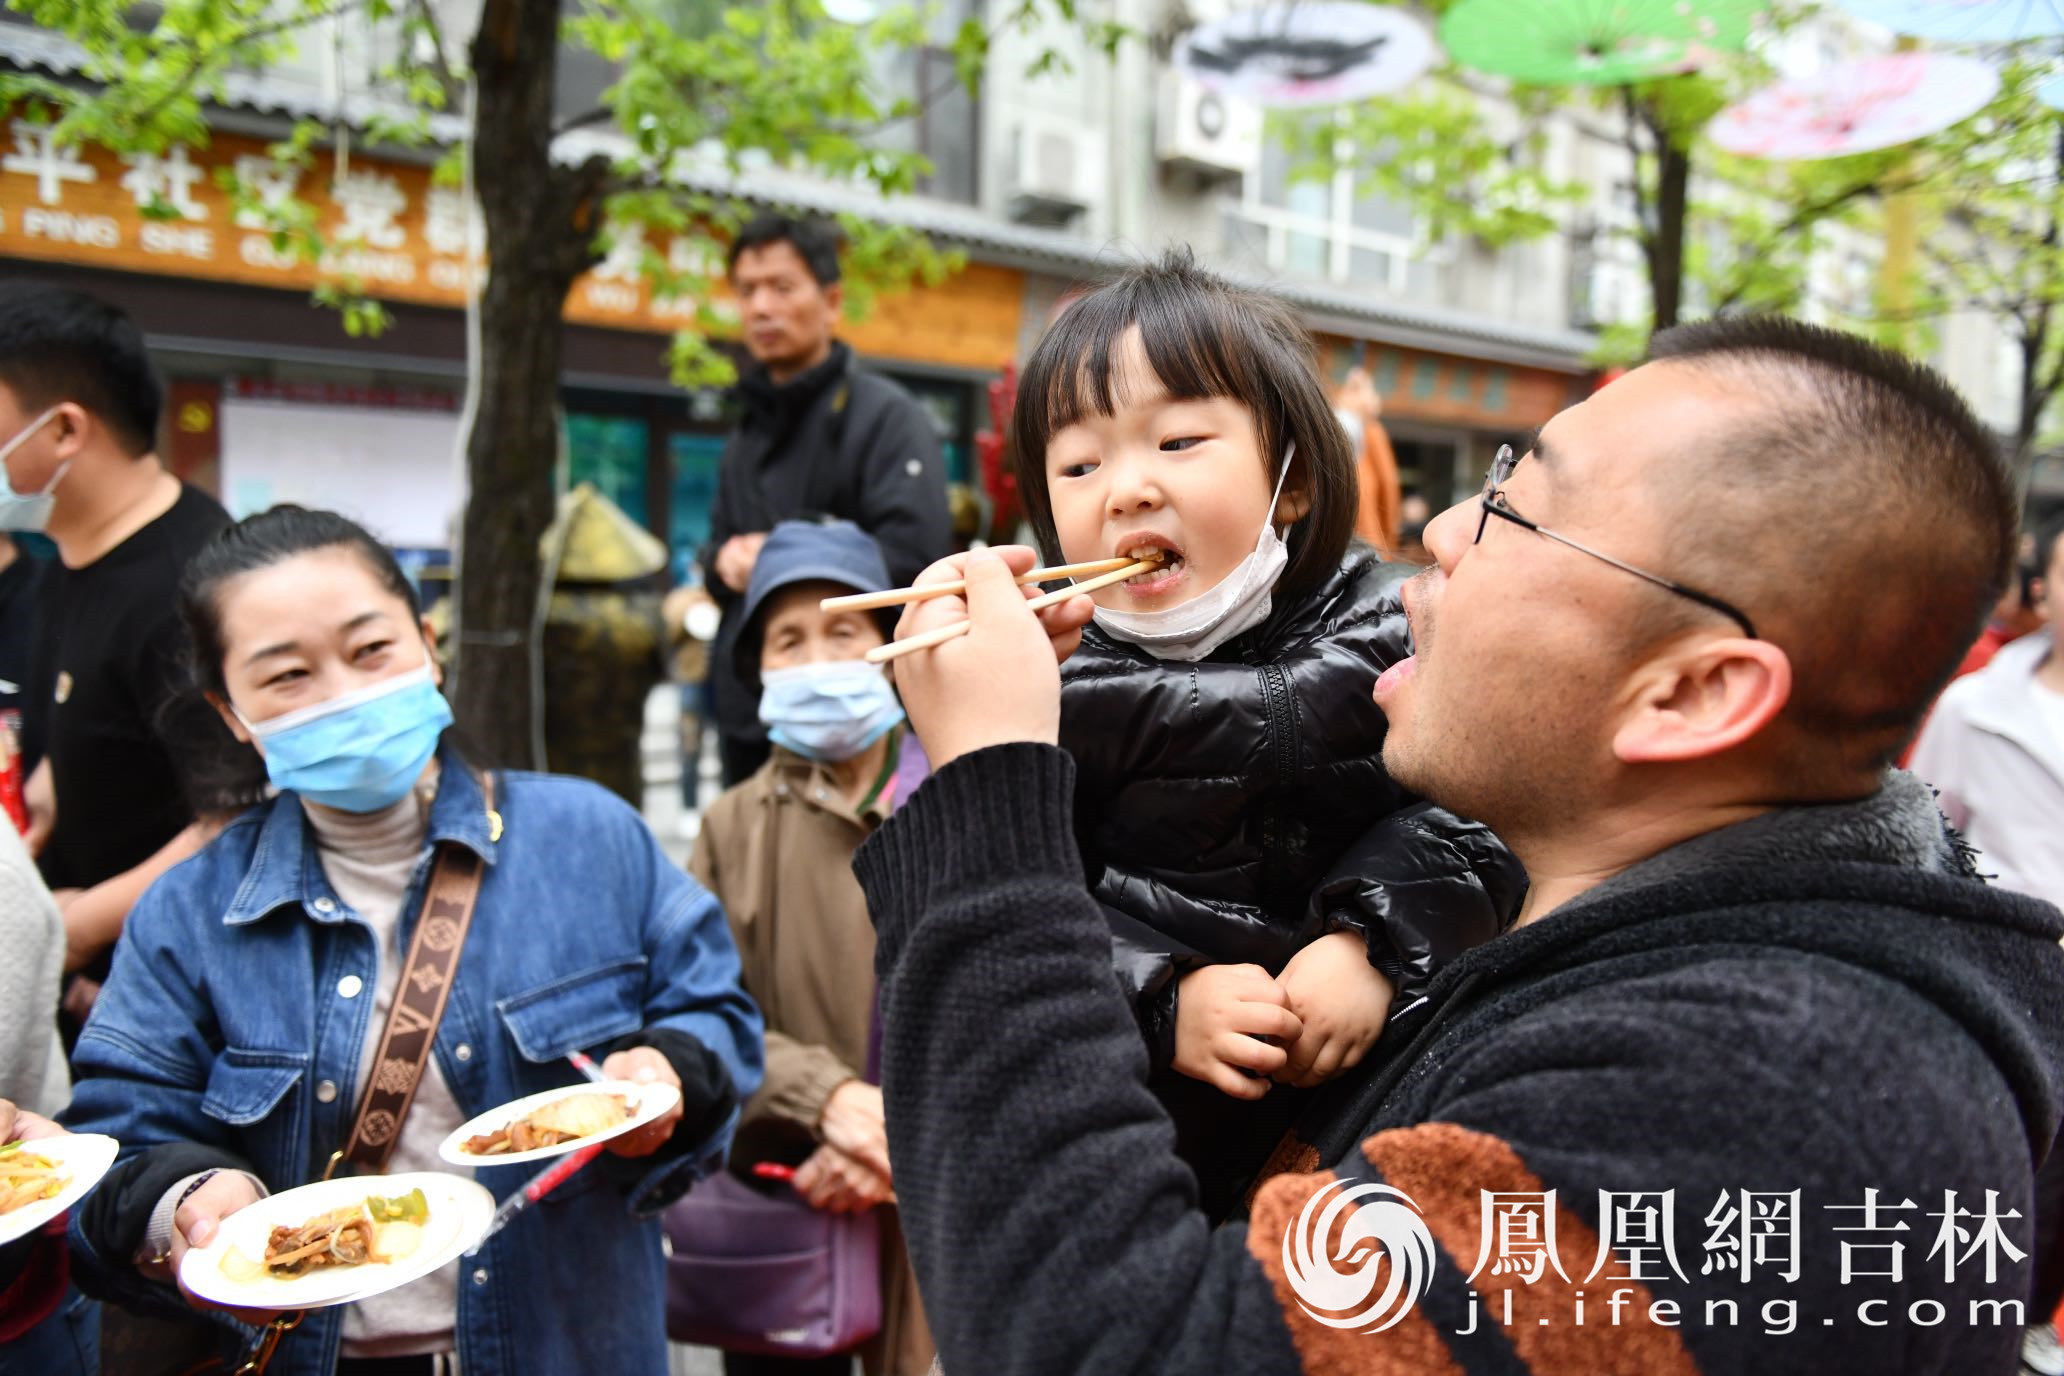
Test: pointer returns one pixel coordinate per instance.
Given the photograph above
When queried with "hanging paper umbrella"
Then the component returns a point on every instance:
(1964, 21)
(2051, 93)
(1594, 42)
(1856, 107)
(1294, 54)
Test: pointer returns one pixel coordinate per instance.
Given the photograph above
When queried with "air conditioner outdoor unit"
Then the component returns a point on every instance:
(1055, 172)
(1204, 133)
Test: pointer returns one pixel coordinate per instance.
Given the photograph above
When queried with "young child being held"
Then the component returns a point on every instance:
(1252, 855)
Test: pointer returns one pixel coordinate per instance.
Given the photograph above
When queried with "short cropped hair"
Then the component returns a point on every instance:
(815, 241)
(1855, 505)
(1204, 338)
(60, 345)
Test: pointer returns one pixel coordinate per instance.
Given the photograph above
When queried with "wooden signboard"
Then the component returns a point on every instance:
(1448, 389)
(402, 238)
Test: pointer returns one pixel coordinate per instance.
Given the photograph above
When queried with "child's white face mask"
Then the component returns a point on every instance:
(1238, 602)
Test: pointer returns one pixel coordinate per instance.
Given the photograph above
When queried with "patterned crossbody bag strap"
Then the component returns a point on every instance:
(419, 999)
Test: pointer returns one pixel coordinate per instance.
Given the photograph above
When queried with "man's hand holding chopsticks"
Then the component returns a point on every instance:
(1001, 681)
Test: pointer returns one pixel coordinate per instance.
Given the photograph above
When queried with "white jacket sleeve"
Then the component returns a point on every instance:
(1939, 757)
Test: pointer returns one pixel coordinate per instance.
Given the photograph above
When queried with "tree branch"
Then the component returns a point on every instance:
(1644, 213)
(601, 114)
(447, 76)
(197, 64)
(1802, 217)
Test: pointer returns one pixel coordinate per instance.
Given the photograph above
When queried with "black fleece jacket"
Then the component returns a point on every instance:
(1821, 1000)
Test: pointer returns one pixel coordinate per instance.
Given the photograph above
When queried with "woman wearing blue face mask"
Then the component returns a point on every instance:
(233, 1047)
(778, 850)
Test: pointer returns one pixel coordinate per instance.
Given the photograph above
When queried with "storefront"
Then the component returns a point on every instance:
(1447, 413)
(272, 401)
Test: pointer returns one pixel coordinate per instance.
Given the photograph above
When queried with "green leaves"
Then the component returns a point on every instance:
(412, 1207)
(1432, 149)
(701, 89)
(363, 316)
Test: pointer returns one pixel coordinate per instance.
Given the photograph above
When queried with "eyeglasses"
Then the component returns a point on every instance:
(1494, 504)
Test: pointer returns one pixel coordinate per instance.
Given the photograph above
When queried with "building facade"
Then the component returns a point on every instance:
(1043, 181)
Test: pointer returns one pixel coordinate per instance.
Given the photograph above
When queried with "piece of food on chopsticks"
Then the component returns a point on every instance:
(1130, 567)
(374, 1230)
(562, 1120)
(919, 592)
(26, 1176)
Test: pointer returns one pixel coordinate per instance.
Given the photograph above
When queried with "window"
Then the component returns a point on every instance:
(947, 126)
(1325, 228)
(610, 452)
(692, 461)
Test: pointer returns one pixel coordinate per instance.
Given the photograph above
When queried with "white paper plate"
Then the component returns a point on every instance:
(647, 1102)
(460, 1211)
(83, 1156)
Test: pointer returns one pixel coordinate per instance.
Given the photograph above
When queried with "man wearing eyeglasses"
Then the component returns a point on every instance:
(1757, 1080)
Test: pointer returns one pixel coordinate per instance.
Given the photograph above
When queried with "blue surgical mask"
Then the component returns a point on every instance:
(27, 510)
(360, 752)
(828, 712)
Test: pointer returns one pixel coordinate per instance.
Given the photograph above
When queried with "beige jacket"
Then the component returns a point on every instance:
(777, 851)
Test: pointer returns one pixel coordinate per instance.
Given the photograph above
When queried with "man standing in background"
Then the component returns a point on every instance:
(21, 577)
(79, 406)
(818, 437)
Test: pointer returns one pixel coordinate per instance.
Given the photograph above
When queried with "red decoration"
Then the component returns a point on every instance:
(998, 482)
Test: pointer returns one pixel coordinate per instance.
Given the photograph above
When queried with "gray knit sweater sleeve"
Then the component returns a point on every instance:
(32, 950)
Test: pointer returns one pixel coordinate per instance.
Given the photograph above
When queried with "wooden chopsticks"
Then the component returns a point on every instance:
(1125, 568)
(896, 597)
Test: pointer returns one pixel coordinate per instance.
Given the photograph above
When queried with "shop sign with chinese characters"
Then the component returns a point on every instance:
(401, 237)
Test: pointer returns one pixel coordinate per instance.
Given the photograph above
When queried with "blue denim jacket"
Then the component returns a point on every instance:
(222, 1024)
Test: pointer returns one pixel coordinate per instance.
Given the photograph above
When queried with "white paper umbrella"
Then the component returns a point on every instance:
(1964, 21)
(1296, 54)
(1856, 107)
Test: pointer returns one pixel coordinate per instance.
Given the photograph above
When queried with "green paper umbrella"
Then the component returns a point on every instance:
(1594, 42)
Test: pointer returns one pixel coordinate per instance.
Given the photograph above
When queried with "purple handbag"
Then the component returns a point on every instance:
(760, 1272)
(766, 1273)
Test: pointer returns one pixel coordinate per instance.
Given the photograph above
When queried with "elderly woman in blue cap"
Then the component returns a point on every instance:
(777, 852)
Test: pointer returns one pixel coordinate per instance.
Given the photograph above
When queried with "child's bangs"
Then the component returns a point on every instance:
(1194, 343)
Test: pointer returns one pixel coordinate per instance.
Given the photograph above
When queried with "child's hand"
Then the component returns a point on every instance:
(1221, 1012)
(1341, 1001)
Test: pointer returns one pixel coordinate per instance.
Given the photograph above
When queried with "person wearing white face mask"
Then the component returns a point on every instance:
(777, 851)
(79, 407)
(1269, 889)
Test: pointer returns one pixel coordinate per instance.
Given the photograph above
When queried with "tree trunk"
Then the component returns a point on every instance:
(1666, 252)
(540, 220)
(2035, 399)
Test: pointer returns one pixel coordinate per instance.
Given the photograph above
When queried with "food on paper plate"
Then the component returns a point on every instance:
(373, 1230)
(26, 1177)
(562, 1120)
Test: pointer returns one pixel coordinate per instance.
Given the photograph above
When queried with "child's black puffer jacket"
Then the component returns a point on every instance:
(1235, 809)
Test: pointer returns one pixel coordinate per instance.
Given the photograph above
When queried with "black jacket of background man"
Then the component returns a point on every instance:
(833, 441)
(1821, 1000)
(113, 701)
